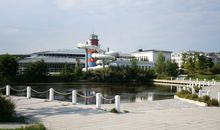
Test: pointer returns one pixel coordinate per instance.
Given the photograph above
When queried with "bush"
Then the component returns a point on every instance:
(194, 97)
(197, 88)
(7, 109)
(126, 111)
(183, 93)
(113, 110)
(200, 99)
(163, 76)
(206, 99)
(213, 102)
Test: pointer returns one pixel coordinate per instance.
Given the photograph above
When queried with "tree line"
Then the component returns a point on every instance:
(197, 63)
(165, 69)
(38, 72)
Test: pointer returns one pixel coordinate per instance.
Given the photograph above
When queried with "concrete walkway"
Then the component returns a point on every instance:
(214, 89)
(159, 115)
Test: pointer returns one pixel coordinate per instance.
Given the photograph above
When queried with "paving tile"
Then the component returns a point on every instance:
(168, 114)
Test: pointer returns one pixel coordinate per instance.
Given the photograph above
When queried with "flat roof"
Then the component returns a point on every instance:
(154, 50)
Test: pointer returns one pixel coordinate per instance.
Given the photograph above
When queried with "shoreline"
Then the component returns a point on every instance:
(56, 115)
(153, 81)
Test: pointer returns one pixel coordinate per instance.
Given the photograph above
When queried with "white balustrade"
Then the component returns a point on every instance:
(193, 90)
(200, 93)
(51, 96)
(117, 103)
(98, 100)
(74, 97)
(28, 92)
(208, 93)
(219, 97)
(203, 84)
(8, 90)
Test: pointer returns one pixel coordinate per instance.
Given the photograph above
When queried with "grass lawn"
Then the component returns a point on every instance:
(207, 77)
(32, 127)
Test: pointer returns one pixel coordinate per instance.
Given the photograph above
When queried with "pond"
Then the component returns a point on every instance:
(129, 92)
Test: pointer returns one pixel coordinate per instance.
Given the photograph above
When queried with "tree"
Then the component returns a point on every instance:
(36, 71)
(160, 64)
(196, 62)
(8, 68)
(216, 68)
(67, 70)
(171, 68)
(78, 72)
(133, 70)
(189, 64)
(67, 74)
(7, 109)
(200, 62)
(209, 63)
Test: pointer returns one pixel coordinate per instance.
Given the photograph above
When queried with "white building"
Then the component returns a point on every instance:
(177, 57)
(151, 55)
(55, 60)
(127, 62)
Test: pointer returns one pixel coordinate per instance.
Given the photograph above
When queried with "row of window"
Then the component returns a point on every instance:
(63, 55)
(51, 67)
(145, 67)
(143, 58)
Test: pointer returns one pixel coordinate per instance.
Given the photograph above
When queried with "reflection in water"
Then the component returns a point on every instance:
(129, 92)
(150, 97)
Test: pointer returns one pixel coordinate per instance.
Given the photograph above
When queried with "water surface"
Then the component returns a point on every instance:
(129, 92)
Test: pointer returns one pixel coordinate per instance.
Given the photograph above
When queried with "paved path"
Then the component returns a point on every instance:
(214, 89)
(159, 115)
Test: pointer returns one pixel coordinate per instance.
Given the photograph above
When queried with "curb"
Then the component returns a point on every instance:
(191, 101)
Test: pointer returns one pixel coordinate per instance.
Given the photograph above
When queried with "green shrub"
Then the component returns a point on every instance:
(197, 88)
(206, 99)
(113, 110)
(126, 111)
(200, 99)
(213, 102)
(32, 127)
(7, 109)
(194, 97)
(183, 94)
(188, 96)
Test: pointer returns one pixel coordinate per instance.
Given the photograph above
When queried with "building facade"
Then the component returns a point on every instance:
(127, 62)
(148, 58)
(177, 57)
(55, 60)
(151, 55)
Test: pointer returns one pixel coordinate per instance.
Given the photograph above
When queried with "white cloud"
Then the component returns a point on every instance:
(147, 23)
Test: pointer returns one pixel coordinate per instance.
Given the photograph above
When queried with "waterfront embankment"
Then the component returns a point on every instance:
(185, 82)
(162, 114)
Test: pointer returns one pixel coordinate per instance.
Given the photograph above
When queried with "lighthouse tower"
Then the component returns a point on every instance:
(92, 41)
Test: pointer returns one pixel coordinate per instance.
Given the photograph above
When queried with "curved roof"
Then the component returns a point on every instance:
(64, 51)
(51, 60)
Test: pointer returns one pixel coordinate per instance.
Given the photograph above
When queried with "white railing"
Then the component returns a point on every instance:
(74, 95)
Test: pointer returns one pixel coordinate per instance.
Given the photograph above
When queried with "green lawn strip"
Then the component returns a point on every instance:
(31, 127)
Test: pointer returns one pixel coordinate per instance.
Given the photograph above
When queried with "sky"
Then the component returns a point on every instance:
(28, 26)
